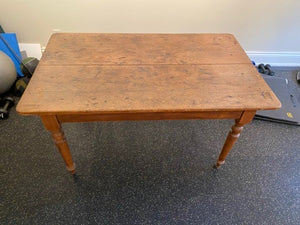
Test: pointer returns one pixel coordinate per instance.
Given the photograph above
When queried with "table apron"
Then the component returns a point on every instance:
(149, 116)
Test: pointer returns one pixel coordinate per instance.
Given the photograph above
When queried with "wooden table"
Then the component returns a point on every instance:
(113, 77)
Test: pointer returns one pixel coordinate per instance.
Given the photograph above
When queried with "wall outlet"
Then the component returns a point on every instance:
(56, 30)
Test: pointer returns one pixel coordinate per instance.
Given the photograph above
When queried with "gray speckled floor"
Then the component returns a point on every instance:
(150, 172)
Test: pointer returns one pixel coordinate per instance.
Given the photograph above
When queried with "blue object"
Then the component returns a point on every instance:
(9, 45)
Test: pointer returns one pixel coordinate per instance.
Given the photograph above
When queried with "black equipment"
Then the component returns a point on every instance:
(7, 103)
(289, 113)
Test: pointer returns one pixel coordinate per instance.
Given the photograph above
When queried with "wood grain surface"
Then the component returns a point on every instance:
(121, 73)
(140, 49)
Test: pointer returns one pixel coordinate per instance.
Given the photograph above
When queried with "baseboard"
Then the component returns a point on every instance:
(32, 50)
(275, 58)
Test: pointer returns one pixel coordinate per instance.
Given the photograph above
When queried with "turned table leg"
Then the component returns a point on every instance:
(233, 135)
(52, 124)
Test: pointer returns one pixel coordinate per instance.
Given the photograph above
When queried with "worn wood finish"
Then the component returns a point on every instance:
(143, 49)
(52, 124)
(234, 134)
(103, 77)
(102, 73)
(163, 88)
(149, 116)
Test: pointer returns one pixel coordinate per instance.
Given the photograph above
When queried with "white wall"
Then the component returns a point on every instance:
(259, 25)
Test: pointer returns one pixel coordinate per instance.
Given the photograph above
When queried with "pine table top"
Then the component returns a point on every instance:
(84, 73)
